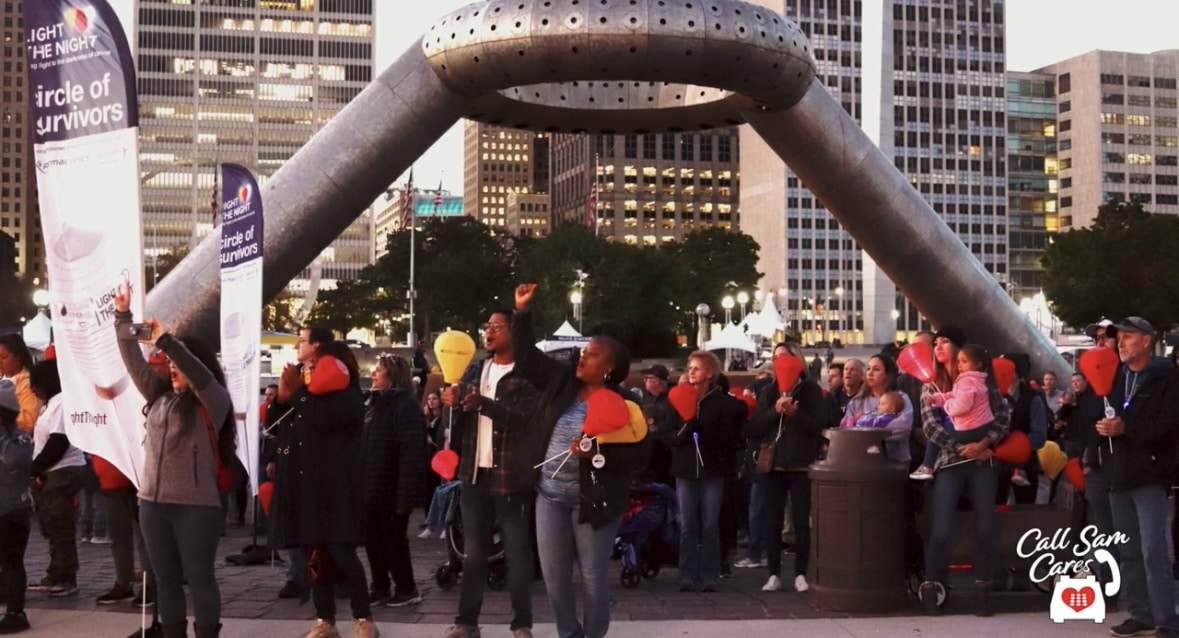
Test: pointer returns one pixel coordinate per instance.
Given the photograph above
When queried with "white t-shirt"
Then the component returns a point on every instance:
(492, 373)
(52, 421)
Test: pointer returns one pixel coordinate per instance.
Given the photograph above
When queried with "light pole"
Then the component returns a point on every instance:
(702, 312)
(727, 304)
(839, 315)
(575, 299)
(743, 299)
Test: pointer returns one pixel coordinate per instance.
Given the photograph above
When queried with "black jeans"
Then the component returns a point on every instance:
(324, 596)
(14, 538)
(777, 486)
(388, 551)
(480, 511)
(122, 519)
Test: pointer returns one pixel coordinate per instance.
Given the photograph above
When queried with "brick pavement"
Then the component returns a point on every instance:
(251, 592)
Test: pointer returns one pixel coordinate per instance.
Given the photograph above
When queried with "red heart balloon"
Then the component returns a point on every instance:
(1015, 448)
(787, 369)
(265, 493)
(1075, 473)
(751, 403)
(916, 359)
(605, 411)
(683, 398)
(445, 463)
(1100, 366)
(1004, 374)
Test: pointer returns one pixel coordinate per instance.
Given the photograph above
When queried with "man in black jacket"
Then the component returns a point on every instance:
(489, 411)
(1137, 447)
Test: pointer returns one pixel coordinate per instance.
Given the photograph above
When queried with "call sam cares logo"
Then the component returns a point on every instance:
(1077, 594)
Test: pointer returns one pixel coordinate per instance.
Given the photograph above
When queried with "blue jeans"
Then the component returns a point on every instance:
(1147, 586)
(481, 510)
(561, 540)
(700, 506)
(1100, 514)
(757, 521)
(980, 479)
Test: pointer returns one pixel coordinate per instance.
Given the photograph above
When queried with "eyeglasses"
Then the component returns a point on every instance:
(497, 326)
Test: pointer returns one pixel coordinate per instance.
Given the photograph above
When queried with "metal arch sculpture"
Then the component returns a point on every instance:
(614, 66)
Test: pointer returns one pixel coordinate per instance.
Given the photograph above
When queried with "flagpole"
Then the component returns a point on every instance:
(412, 294)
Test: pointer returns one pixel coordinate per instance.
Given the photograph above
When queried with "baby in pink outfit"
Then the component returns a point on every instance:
(967, 405)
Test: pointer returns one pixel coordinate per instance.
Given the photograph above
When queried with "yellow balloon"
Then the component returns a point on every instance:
(1052, 459)
(634, 431)
(454, 350)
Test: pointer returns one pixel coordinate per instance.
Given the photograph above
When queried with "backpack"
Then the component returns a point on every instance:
(225, 473)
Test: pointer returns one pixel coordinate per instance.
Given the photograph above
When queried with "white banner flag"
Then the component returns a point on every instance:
(241, 306)
(85, 132)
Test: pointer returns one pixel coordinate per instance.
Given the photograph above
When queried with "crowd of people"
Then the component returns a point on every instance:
(348, 468)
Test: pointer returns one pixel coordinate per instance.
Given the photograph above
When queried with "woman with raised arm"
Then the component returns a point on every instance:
(189, 423)
(579, 503)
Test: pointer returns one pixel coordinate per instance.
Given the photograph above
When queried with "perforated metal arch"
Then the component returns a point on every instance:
(619, 65)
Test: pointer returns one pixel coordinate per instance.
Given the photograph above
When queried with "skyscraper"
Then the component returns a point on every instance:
(244, 81)
(498, 162)
(650, 188)
(1118, 128)
(1032, 181)
(19, 218)
(926, 79)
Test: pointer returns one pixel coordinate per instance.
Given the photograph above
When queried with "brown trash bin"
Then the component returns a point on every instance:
(857, 546)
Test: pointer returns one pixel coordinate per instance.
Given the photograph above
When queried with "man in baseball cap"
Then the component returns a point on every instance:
(1102, 330)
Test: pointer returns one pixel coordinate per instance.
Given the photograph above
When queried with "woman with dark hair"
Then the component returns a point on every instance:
(394, 453)
(880, 378)
(579, 502)
(15, 363)
(318, 502)
(793, 422)
(960, 467)
(189, 426)
(16, 457)
(59, 470)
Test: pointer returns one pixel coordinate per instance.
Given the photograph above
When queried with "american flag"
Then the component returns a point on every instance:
(407, 211)
(438, 198)
(592, 204)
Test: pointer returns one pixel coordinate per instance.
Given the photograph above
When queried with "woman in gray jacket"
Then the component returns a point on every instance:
(180, 505)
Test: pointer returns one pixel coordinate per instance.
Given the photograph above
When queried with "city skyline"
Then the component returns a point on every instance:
(1073, 27)
(1039, 33)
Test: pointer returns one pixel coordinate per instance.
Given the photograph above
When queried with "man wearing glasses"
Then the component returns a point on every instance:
(488, 411)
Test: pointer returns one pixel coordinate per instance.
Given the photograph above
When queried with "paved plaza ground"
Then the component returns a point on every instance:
(251, 607)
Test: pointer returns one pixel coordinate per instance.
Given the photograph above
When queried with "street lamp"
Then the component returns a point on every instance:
(839, 315)
(575, 299)
(702, 312)
(743, 299)
(896, 314)
(727, 304)
(40, 298)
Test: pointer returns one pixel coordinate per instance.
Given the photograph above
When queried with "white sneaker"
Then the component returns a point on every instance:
(800, 584)
(1017, 478)
(922, 474)
(773, 584)
(426, 533)
(746, 563)
(442, 536)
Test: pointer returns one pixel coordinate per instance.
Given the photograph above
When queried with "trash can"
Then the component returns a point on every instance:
(856, 503)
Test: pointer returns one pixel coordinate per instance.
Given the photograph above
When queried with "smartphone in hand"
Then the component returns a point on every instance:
(135, 332)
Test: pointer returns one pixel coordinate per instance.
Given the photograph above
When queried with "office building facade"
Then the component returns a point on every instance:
(1032, 180)
(249, 82)
(499, 162)
(926, 80)
(19, 217)
(1118, 132)
(651, 188)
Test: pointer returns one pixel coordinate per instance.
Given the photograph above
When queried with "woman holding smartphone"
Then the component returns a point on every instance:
(180, 506)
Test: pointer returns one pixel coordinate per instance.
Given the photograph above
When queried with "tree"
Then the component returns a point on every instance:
(1124, 264)
(347, 306)
(279, 314)
(158, 267)
(709, 261)
(18, 305)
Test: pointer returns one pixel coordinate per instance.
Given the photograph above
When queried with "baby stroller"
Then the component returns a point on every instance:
(648, 536)
(447, 574)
